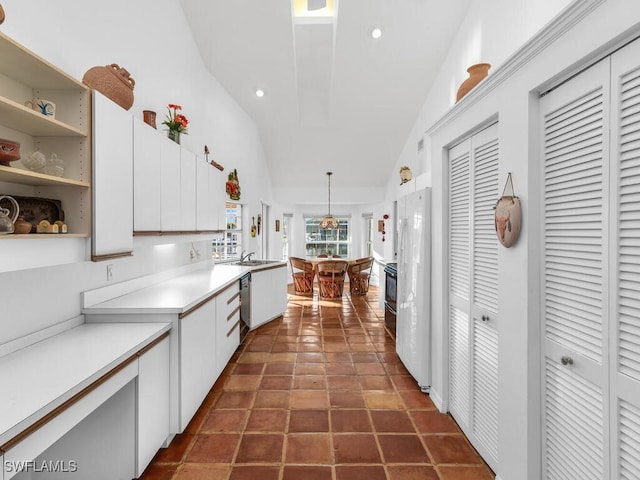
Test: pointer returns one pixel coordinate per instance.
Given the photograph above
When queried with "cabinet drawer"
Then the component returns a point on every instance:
(228, 300)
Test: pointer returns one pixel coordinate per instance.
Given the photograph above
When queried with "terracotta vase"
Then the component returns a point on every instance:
(149, 117)
(22, 226)
(477, 73)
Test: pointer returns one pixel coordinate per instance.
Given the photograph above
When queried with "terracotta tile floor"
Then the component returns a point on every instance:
(319, 394)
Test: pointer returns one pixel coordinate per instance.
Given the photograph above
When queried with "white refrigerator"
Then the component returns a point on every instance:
(413, 322)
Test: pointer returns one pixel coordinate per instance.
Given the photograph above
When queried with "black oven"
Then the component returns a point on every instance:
(390, 283)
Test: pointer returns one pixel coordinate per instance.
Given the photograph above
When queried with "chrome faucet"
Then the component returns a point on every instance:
(244, 257)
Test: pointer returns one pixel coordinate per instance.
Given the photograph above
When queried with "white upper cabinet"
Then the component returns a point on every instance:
(112, 179)
(187, 191)
(146, 178)
(204, 188)
(170, 209)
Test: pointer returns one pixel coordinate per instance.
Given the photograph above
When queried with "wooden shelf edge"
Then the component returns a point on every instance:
(13, 236)
(27, 177)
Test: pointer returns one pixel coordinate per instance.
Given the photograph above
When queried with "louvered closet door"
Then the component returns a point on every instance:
(473, 312)
(625, 230)
(575, 277)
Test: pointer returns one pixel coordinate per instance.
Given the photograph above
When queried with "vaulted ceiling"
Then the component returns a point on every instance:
(335, 99)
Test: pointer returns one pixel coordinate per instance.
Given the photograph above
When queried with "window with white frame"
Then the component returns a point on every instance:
(286, 235)
(228, 244)
(330, 242)
(367, 220)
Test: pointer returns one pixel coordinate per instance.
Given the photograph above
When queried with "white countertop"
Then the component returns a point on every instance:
(178, 294)
(38, 378)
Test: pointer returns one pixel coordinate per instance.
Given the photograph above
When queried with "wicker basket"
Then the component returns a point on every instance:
(113, 82)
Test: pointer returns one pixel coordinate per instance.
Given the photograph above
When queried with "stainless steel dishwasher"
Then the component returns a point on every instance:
(245, 305)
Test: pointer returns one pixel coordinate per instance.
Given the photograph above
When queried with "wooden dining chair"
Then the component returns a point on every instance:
(323, 255)
(336, 256)
(331, 275)
(359, 275)
(303, 273)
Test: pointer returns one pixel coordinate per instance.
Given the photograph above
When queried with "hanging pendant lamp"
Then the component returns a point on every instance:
(329, 222)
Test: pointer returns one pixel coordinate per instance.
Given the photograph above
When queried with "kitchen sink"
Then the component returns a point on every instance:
(254, 263)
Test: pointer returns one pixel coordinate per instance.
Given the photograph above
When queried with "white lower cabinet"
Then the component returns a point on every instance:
(153, 403)
(197, 359)
(268, 294)
(227, 325)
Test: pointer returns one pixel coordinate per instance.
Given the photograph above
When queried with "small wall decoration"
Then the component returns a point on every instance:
(381, 227)
(253, 226)
(405, 175)
(213, 163)
(233, 185)
(259, 223)
(508, 216)
(277, 225)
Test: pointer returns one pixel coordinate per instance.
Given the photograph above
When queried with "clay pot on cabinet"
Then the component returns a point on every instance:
(477, 73)
(113, 81)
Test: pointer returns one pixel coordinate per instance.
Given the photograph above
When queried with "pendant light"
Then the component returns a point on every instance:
(329, 222)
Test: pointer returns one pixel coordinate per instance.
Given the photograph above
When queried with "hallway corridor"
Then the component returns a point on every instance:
(319, 394)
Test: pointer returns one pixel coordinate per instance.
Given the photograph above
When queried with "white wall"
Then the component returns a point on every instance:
(491, 31)
(513, 102)
(151, 40)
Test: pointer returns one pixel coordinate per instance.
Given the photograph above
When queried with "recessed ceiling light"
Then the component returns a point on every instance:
(376, 32)
(259, 93)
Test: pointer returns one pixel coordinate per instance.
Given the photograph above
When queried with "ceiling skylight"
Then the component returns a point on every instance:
(307, 8)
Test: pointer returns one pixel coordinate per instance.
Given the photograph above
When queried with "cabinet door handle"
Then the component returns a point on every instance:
(566, 360)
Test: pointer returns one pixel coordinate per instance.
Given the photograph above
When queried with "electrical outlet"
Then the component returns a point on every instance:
(109, 272)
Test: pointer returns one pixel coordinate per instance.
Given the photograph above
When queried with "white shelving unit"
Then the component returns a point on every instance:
(23, 76)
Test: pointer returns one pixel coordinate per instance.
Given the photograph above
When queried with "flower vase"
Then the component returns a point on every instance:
(477, 73)
(175, 136)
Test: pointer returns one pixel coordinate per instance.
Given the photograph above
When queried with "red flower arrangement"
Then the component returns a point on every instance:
(176, 122)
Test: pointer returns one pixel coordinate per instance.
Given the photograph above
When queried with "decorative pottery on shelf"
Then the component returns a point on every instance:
(9, 151)
(33, 210)
(8, 216)
(477, 73)
(21, 226)
(113, 81)
(149, 117)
